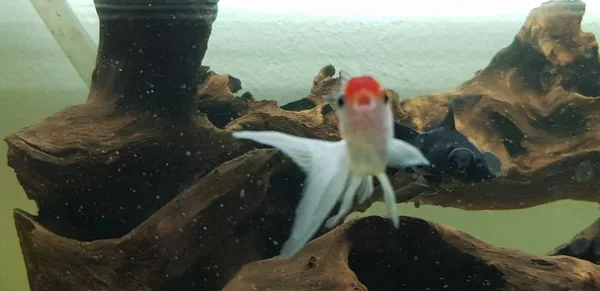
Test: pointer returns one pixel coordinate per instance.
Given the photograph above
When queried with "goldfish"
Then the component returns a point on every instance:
(344, 169)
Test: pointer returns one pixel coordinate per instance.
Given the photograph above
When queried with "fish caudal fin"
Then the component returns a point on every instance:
(308, 220)
(404, 155)
(389, 197)
(327, 165)
(323, 187)
(299, 149)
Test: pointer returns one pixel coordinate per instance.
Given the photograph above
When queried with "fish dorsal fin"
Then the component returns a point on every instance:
(404, 132)
(448, 121)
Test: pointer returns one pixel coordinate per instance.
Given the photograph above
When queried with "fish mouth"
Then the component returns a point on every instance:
(363, 106)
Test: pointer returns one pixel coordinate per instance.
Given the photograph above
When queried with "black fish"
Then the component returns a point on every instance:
(451, 154)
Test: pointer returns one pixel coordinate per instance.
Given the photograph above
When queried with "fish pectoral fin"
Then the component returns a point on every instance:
(366, 189)
(300, 149)
(404, 155)
(347, 201)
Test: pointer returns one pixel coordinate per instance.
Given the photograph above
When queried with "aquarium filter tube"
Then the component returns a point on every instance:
(70, 35)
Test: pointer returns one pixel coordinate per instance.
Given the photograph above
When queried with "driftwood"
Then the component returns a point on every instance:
(369, 254)
(584, 245)
(170, 241)
(535, 106)
(127, 182)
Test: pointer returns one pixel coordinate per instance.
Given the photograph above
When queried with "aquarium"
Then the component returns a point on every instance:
(299, 145)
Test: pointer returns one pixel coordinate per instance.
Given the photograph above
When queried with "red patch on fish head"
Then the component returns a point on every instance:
(361, 90)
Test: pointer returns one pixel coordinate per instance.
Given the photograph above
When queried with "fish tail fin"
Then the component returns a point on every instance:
(323, 187)
(327, 168)
(389, 197)
(300, 149)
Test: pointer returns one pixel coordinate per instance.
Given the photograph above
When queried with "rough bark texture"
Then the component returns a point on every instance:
(535, 105)
(369, 254)
(165, 245)
(143, 187)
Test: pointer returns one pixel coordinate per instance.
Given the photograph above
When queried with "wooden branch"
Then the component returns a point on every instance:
(535, 106)
(99, 169)
(369, 254)
(165, 246)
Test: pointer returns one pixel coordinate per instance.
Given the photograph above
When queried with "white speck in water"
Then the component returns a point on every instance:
(180, 229)
(221, 205)
(275, 243)
(133, 190)
(183, 213)
(258, 182)
(416, 258)
(57, 217)
(183, 86)
(141, 71)
(68, 272)
(242, 193)
(154, 115)
(139, 206)
(156, 237)
(157, 197)
(204, 228)
(188, 153)
(66, 203)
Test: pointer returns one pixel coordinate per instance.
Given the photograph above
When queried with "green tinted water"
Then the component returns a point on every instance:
(19, 109)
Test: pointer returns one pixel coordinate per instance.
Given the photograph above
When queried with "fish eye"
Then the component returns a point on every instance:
(340, 101)
(386, 98)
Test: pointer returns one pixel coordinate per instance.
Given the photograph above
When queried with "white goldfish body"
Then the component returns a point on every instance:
(343, 170)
